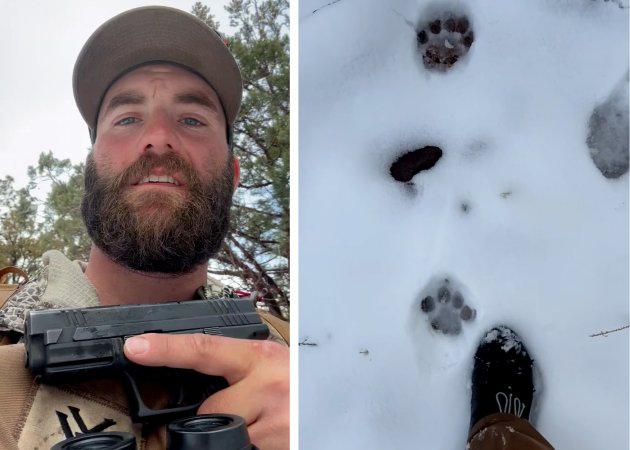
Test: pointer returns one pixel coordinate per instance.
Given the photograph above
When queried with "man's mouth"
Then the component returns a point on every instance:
(159, 179)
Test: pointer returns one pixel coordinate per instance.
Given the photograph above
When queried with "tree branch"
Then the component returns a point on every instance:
(255, 186)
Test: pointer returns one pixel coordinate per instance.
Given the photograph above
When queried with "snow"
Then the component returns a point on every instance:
(506, 335)
(542, 246)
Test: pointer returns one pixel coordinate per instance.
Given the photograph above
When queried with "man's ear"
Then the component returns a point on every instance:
(237, 173)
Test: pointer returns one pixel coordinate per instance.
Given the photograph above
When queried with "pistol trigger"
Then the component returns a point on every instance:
(175, 386)
(177, 396)
(137, 408)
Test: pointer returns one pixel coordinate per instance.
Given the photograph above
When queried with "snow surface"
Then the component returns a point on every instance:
(542, 247)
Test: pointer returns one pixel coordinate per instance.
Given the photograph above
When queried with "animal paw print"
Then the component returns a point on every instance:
(444, 40)
(446, 307)
(608, 133)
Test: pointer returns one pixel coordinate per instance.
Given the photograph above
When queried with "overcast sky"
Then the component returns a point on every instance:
(40, 41)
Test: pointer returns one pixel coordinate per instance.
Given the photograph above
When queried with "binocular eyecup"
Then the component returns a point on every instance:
(209, 432)
(111, 440)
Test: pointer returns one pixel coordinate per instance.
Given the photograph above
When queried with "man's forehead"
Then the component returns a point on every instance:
(160, 72)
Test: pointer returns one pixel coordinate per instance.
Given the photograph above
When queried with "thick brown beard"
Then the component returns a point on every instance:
(155, 231)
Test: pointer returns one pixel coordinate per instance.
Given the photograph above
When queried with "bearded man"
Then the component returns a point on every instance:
(159, 91)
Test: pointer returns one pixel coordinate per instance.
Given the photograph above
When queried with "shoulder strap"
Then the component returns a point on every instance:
(280, 326)
(7, 289)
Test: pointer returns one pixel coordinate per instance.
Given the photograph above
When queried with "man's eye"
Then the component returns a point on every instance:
(191, 122)
(127, 121)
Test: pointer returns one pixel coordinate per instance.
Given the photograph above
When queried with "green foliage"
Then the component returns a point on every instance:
(257, 248)
(62, 226)
(29, 227)
(19, 231)
(203, 12)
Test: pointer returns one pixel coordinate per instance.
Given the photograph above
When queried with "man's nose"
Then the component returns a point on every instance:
(159, 134)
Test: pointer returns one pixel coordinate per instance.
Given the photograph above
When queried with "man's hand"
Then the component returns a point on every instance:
(257, 371)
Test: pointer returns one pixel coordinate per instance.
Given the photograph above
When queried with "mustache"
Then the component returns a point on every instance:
(170, 162)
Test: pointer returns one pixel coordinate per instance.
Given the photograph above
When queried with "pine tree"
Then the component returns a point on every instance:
(19, 230)
(256, 251)
(62, 227)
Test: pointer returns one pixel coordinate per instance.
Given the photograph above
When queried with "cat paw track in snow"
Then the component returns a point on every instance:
(443, 40)
(446, 307)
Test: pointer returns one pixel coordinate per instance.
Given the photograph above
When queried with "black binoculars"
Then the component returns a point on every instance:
(208, 432)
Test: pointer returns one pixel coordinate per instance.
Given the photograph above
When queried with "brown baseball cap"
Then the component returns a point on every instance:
(153, 34)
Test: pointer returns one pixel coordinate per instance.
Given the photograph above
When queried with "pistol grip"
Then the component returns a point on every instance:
(140, 412)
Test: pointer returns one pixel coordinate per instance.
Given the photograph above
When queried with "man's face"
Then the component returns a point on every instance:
(159, 181)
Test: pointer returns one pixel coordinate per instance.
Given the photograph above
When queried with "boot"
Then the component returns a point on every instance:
(502, 378)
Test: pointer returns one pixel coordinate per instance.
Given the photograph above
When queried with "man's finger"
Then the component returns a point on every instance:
(212, 355)
(233, 400)
(269, 436)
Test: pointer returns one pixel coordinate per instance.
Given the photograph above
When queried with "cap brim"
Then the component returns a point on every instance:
(154, 34)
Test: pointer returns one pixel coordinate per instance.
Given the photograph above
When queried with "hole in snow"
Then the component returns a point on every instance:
(409, 164)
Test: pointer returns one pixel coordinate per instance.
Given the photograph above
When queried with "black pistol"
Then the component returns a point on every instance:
(65, 345)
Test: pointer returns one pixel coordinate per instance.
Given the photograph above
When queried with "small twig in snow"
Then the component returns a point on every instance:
(322, 7)
(606, 333)
(306, 342)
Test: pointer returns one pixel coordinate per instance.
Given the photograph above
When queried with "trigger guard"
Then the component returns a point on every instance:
(140, 412)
